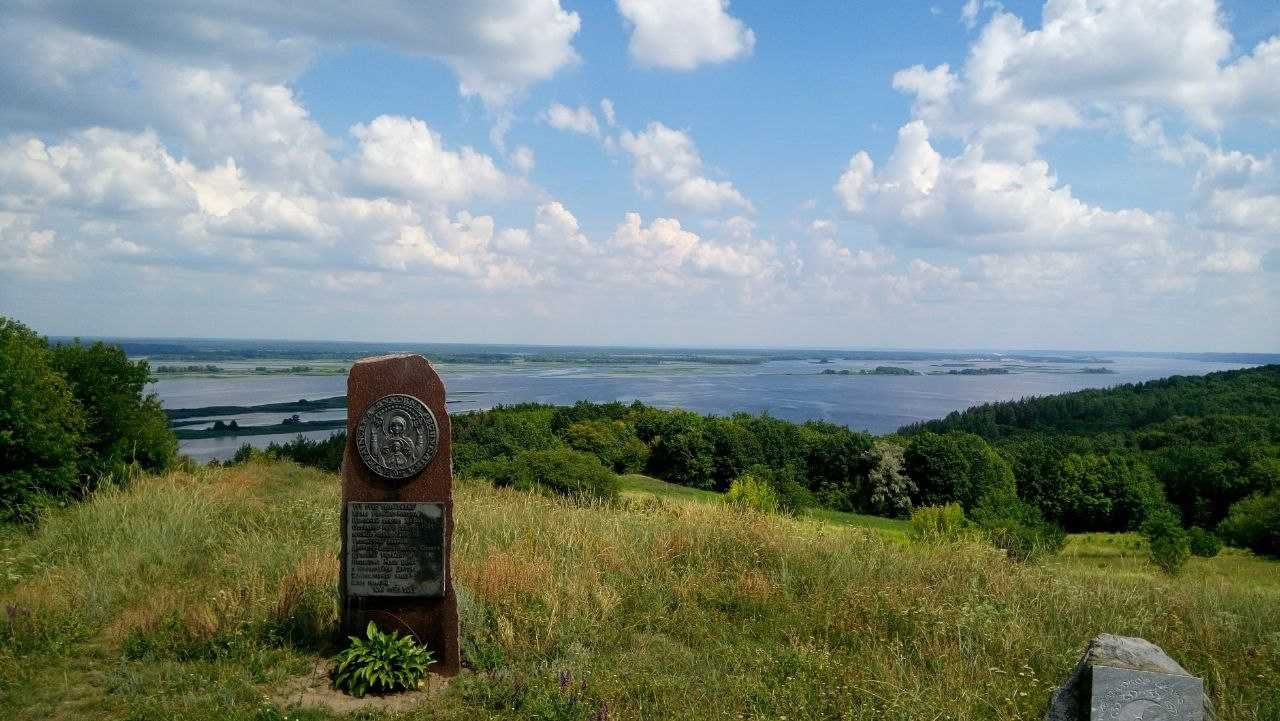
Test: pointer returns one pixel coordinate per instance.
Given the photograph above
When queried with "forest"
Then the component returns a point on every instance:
(1098, 459)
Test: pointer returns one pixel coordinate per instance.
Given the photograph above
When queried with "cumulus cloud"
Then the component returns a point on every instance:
(575, 120)
(497, 48)
(1090, 62)
(664, 251)
(403, 157)
(669, 159)
(683, 34)
(523, 159)
(924, 198)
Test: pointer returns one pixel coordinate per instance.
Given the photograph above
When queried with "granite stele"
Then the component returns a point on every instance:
(1120, 678)
(397, 506)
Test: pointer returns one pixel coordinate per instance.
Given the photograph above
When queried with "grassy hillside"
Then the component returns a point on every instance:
(193, 595)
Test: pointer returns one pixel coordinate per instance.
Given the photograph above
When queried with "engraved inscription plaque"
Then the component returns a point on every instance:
(395, 549)
(397, 436)
(1121, 694)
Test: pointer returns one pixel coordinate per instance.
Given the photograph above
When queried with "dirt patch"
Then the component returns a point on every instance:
(314, 690)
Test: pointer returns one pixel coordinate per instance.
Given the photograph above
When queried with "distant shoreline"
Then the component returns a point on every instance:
(274, 429)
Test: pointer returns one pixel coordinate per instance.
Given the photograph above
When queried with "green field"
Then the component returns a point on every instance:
(196, 595)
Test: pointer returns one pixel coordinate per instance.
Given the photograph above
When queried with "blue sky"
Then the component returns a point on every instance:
(1077, 173)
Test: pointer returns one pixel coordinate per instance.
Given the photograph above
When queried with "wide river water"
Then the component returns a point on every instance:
(790, 389)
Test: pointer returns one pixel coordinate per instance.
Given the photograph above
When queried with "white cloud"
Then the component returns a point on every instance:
(1089, 63)
(923, 198)
(405, 158)
(523, 159)
(606, 108)
(108, 172)
(683, 34)
(575, 120)
(26, 250)
(497, 48)
(669, 159)
(1232, 261)
(664, 253)
(557, 229)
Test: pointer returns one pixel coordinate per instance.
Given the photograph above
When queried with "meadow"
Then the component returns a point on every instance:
(197, 594)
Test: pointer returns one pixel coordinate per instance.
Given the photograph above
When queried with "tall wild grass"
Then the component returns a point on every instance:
(194, 595)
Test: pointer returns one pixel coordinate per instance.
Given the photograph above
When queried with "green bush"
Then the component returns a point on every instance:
(1018, 528)
(938, 523)
(381, 662)
(41, 424)
(1254, 523)
(1203, 543)
(558, 470)
(1169, 545)
(748, 491)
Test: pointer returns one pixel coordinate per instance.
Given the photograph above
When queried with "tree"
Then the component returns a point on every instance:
(124, 425)
(1103, 492)
(837, 462)
(889, 488)
(680, 452)
(613, 442)
(41, 424)
(1254, 523)
(956, 467)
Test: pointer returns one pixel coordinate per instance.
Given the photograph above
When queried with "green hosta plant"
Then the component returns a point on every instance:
(380, 662)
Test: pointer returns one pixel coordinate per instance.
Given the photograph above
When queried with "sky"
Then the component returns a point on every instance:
(1088, 174)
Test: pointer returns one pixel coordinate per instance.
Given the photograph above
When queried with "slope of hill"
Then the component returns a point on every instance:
(1128, 407)
(1093, 459)
(196, 595)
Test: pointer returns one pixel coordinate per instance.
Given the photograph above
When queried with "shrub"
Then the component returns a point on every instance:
(938, 523)
(1203, 543)
(559, 470)
(41, 424)
(1254, 523)
(1167, 539)
(1018, 528)
(381, 662)
(748, 491)
(784, 484)
(325, 454)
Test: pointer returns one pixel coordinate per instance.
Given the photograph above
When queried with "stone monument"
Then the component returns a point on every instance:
(397, 506)
(1120, 678)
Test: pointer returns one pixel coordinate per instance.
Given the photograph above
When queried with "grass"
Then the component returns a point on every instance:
(193, 595)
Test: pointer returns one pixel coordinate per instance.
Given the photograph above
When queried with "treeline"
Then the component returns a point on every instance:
(71, 417)
(1101, 460)
(577, 449)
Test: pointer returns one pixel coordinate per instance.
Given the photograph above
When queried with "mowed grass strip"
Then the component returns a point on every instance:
(195, 594)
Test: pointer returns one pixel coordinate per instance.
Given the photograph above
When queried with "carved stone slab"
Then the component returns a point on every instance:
(1121, 694)
(403, 457)
(395, 549)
